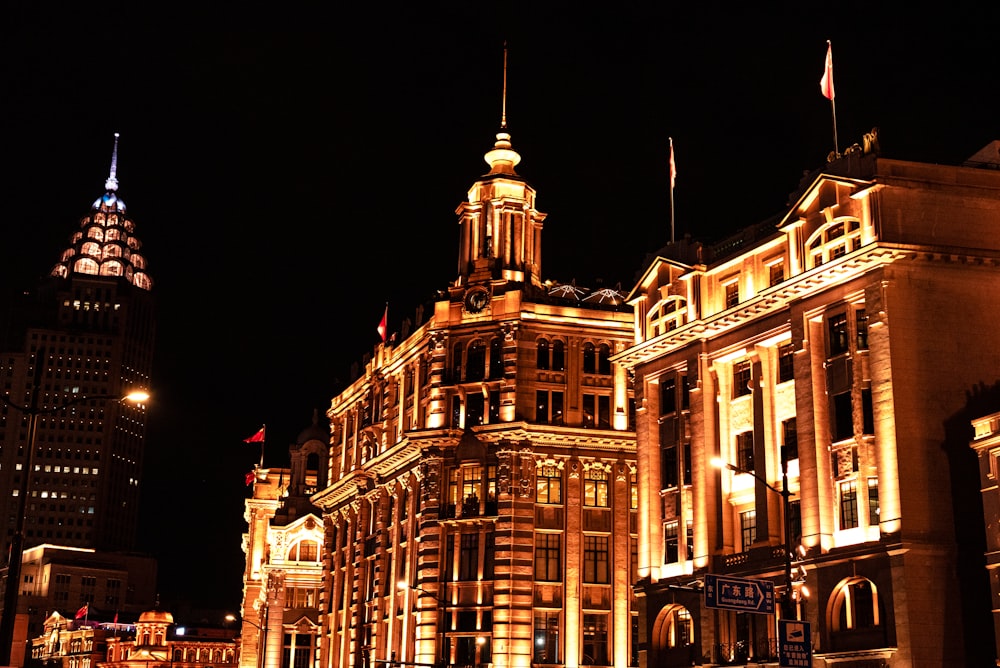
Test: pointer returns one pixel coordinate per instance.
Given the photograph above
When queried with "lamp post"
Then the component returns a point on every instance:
(33, 410)
(787, 610)
(261, 636)
(403, 585)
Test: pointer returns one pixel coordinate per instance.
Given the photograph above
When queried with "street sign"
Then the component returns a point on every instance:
(739, 594)
(794, 643)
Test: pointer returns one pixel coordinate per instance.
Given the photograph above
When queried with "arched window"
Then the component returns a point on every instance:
(666, 316)
(673, 628)
(111, 268)
(475, 365)
(95, 233)
(589, 358)
(542, 359)
(91, 248)
(496, 358)
(85, 265)
(604, 359)
(558, 356)
(832, 241)
(855, 615)
(456, 363)
(305, 550)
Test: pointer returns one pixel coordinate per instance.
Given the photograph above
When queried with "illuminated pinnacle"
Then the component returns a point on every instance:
(503, 105)
(112, 182)
(502, 158)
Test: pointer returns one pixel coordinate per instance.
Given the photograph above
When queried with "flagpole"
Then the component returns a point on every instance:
(673, 172)
(826, 86)
(262, 449)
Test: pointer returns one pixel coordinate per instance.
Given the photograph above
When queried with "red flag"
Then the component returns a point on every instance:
(826, 83)
(249, 478)
(82, 612)
(382, 326)
(116, 618)
(673, 165)
(256, 438)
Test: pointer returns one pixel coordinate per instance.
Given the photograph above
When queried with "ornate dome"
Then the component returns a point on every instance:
(156, 617)
(106, 244)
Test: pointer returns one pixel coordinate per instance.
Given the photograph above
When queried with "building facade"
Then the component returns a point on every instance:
(284, 575)
(817, 358)
(87, 331)
(151, 642)
(480, 505)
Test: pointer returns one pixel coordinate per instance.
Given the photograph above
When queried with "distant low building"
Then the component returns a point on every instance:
(148, 643)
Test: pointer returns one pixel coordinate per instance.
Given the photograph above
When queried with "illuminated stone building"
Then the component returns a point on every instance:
(283, 577)
(480, 505)
(151, 642)
(836, 340)
(87, 331)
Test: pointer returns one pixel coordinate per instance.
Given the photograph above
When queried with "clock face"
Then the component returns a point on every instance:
(476, 300)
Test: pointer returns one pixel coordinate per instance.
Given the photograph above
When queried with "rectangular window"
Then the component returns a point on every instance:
(744, 451)
(546, 637)
(867, 412)
(595, 560)
(668, 466)
(861, 327)
(795, 521)
(668, 395)
(548, 557)
(848, 504)
(633, 488)
(873, 507)
(671, 543)
(741, 378)
(789, 440)
(838, 339)
(776, 273)
(595, 488)
(748, 528)
(732, 294)
(468, 557)
(549, 407)
(595, 640)
(843, 418)
(786, 363)
(548, 483)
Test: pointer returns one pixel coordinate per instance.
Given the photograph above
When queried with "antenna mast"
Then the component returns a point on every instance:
(503, 111)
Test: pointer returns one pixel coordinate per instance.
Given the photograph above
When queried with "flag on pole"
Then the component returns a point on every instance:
(673, 165)
(248, 478)
(116, 618)
(826, 83)
(256, 438)
(382, 325)
(82, 612)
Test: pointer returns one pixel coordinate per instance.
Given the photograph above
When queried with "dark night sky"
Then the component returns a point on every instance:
(292, 167)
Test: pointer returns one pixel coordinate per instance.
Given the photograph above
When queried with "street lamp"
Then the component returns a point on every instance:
(403, 585)
(33, 410)
(787, 610)
(261, 636)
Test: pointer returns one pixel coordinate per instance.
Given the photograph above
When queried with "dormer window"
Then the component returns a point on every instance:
(833, 241)
(666, 316)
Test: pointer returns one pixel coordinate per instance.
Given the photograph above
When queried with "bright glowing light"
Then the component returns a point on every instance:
(139, 396)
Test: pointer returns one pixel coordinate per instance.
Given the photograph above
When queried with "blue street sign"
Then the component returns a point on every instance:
(794, 643)
(739, 594)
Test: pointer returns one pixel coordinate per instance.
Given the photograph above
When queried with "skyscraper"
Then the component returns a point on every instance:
(82, 339)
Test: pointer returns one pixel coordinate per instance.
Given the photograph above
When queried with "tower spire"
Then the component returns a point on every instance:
(112, 182)
(503, 106)
(502, 158)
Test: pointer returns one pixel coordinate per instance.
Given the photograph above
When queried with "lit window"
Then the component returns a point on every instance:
(549, 485)
(748, 528)
(732, 294)
(741, 378)
(595, 488)
(848, 504)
